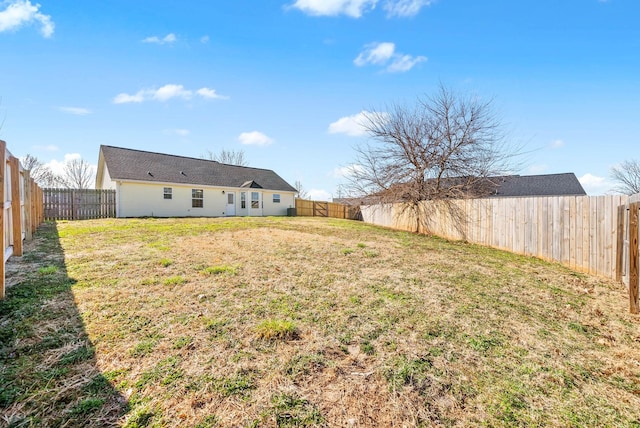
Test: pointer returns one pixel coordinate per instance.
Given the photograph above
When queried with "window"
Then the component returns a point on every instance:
(276, 198)
(255, 200)
(197, 198)
(243, 200)
(230, 198)
(168, 192)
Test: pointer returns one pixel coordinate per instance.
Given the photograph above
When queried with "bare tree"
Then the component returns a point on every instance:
(40, 172)
(230, 157)
(627, 177)
(78, 174)
(445, 147)
(302, 193)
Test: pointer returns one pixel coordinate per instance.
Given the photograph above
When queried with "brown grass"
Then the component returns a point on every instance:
(310, 322)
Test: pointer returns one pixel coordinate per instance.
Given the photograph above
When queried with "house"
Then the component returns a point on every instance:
(162, 185)
(508, 186)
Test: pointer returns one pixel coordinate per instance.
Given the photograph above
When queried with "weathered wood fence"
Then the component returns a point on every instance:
(21, 211)
(629, 250)
(589, 234)
(79, 204)
(308, 208)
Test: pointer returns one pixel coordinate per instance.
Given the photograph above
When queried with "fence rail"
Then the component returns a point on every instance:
(79, 204)
(308, 208)
(21, 208)
(598, 235)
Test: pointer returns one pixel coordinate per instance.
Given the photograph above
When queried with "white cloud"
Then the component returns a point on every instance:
(57, 167)
(405, 7)
(375, 53)
(168, 39)
(126, 98)
(356, 8)
(556, 144)
(385, 53)
(352, 8)
(211, 94)
(355, 125)
(595, 185)
(319, 195)
(404, 63)
(204, 39)
(166, 93)
(254, 138)
(346, 171)
(21, 12)
(350, 125)
(171, 91)
(78, 111)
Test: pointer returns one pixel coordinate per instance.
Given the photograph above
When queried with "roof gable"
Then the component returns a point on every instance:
(251, 184)
(137, 165)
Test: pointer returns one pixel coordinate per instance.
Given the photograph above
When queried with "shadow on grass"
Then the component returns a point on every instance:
(48, 371)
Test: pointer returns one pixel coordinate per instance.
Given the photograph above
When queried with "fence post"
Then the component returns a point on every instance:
(634, 307)
(620, 242)
(3, 168)
(16, 211)
(39, 201)
(34, 205)
(27, 205)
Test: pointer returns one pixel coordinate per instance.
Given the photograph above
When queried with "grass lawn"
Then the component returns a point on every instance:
(265, 322)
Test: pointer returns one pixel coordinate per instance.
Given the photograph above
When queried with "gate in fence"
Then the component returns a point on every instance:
(307, 208)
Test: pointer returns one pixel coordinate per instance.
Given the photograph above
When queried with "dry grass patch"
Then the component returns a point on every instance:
(316, 322)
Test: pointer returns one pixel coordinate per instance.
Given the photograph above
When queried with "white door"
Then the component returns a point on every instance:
(231, 204)
(255, 208)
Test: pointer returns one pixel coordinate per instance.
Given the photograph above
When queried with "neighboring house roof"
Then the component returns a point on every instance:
(537, 185)
(137, 165)
(565, 184)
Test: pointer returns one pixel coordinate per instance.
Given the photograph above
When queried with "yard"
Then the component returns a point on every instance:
(305, 322)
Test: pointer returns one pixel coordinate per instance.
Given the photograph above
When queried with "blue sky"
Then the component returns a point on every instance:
(283, 80)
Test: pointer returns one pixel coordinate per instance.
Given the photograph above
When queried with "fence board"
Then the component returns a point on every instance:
(16, 207)
(579, 250)
(3, 199)
(79, 204)
(565, 204)
(586, 233)
(571, 255)
(634, 275)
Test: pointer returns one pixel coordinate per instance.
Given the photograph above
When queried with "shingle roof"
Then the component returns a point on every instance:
(138, 165)
(537, 185)
(565, 184)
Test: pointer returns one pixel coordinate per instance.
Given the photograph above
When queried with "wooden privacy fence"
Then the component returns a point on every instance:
(598, 234)
(308, 208)
(578, 231)
(79, 204)
(21, 209)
